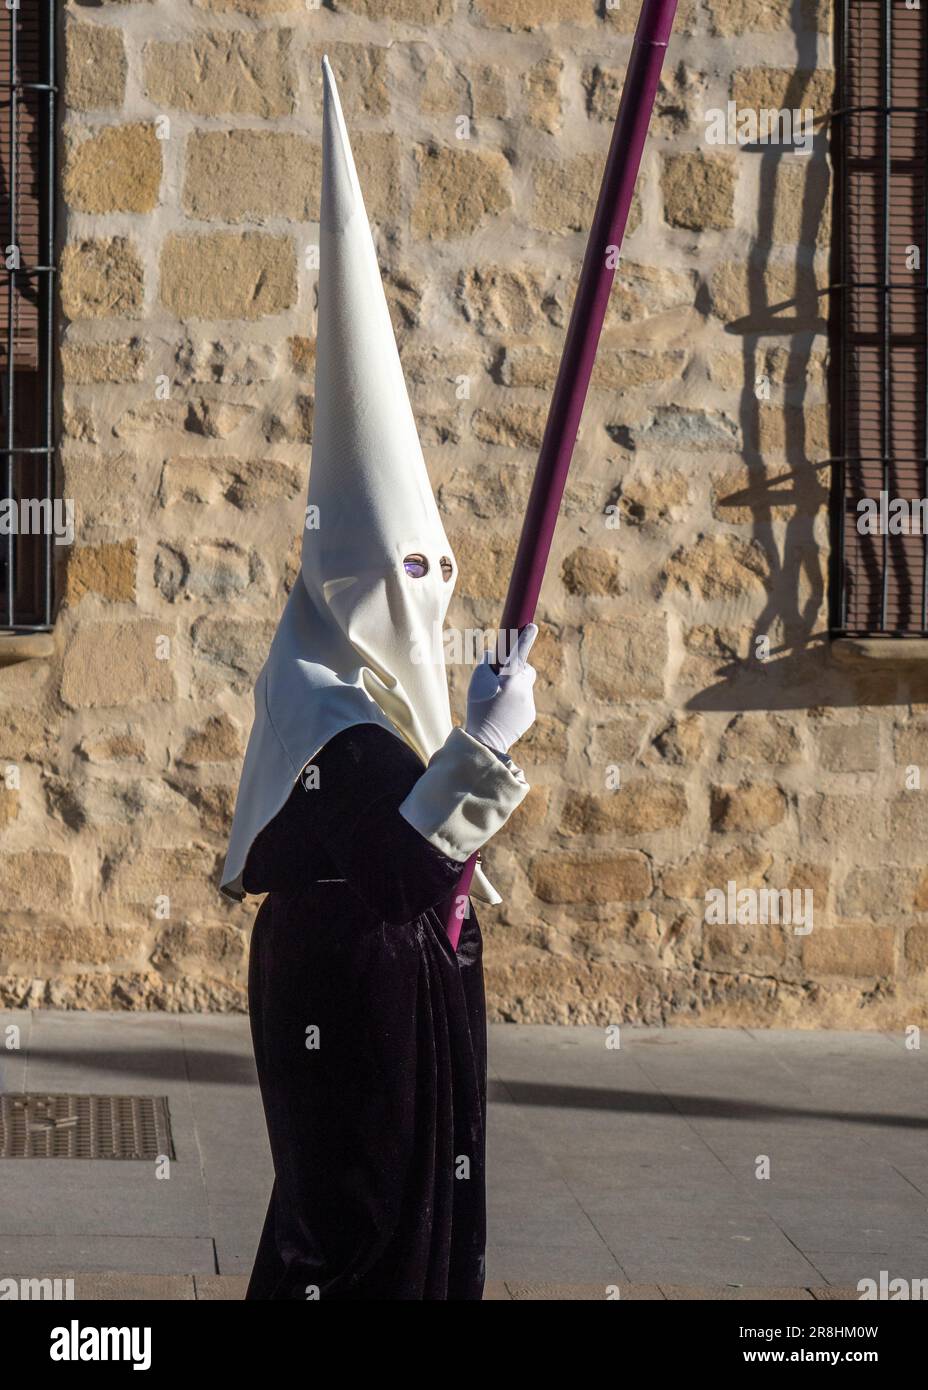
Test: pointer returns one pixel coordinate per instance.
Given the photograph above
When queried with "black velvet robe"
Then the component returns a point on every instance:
(377, 1127)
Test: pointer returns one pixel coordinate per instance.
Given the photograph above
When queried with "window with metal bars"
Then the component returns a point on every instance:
(27, 203)
(880, 322)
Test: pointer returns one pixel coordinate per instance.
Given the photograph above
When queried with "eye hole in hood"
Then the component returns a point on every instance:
(417, 566)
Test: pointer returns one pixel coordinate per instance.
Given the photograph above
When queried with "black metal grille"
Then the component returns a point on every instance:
(880, 317)
(38, 1125)
(27, 205)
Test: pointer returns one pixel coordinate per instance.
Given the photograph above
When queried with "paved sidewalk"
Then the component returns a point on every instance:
(633, 1169)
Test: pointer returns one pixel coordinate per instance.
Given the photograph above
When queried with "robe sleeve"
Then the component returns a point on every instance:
(363, 776)
(464, 796)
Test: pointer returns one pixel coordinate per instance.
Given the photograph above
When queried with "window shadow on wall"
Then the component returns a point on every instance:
(800, 670)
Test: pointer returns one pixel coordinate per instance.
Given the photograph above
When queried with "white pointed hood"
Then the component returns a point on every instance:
(359, 639)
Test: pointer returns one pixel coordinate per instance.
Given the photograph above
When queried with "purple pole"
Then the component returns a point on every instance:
(596, 276)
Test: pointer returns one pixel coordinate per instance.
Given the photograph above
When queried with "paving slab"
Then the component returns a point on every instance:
(561, 1263)
(235, 1254)
(215, 1288)
(101, 1197)
(141, 1287)
(732, 1293)
(845, 1268)
(51, 1255)
(545, 1213)
(766, 1258)
(833, 1293)
(843, 1224)
(228, 1134)
(810, 1177)
(585, 1293)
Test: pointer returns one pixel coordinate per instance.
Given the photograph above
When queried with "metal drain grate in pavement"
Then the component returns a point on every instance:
(40, 1125)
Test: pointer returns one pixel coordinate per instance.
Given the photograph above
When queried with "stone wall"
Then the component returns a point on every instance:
(694, 730)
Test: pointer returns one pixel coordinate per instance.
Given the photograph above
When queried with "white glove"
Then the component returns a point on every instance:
(501, 708)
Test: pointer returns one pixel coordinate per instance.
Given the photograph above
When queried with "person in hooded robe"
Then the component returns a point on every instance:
(358, 805)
